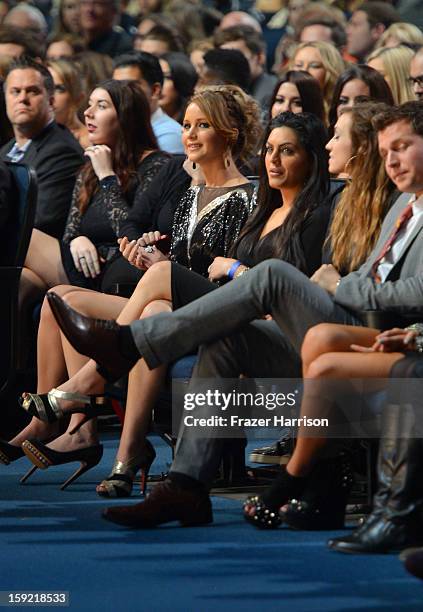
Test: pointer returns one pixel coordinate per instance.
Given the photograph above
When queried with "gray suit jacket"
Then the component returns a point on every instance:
(402, 291)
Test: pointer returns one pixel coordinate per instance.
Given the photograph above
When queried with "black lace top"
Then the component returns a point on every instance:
(199, 237)
(109, 207)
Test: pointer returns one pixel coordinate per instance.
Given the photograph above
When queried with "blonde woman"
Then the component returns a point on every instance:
(324, 62)
(68, 96)
(400, 33)
(393, 63)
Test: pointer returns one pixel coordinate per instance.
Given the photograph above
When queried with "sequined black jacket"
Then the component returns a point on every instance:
(198, 239)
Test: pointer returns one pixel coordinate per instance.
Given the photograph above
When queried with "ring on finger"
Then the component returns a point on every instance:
(148, 249)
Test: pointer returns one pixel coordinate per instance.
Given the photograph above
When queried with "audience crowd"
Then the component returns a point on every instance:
(242, 186)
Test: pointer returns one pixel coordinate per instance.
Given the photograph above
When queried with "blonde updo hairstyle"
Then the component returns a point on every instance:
(234, 115)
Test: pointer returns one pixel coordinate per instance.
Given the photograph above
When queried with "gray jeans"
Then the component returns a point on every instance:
(272, 287)
(220, 322)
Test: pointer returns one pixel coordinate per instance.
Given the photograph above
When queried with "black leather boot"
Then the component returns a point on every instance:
(395, 521)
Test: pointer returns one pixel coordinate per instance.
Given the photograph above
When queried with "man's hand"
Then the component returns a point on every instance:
(326, 277)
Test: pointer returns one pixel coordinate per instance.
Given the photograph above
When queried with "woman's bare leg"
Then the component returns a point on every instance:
(143, 388)
(341, 365)
(51, 369)
(154, 285)
(105, 306)
(44, 260)
(331, 338)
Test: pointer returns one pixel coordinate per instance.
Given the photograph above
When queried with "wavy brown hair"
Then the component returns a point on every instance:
(135, 137)
(364, 201)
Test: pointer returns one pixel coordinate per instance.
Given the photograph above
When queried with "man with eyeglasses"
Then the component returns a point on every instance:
(416, 74)
(97, 24)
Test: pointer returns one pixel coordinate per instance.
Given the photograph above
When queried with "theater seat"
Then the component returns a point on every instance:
(17, 241)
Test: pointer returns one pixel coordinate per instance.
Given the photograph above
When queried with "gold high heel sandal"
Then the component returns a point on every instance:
(121, 479)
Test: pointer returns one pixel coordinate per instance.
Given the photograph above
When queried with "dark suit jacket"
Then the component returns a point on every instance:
(56, 157)
(5, 195)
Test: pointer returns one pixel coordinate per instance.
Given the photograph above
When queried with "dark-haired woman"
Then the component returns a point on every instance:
(297, 92)
(288, 223)
(180, 79)
(123, 159)
(358, 83)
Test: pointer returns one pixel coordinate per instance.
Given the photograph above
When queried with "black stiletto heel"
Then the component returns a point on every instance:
(43, 457)
(29, 473)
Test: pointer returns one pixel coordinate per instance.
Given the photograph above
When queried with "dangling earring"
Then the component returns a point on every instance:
(352, 158)
(194, 166)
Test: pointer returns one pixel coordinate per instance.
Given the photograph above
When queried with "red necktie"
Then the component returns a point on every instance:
(406, 214)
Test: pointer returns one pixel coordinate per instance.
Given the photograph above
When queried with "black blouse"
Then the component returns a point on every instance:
(109, 207)
(312, 238)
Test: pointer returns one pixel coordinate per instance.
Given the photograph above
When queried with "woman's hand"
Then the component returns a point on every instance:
(101, 159)
(149, 238)
(220, 267)
(390, 341)
(85, 256)
(129, 250)
(149, 255)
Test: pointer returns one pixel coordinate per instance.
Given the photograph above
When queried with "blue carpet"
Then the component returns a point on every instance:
(54, 540)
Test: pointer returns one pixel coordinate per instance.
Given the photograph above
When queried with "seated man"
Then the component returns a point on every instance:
(391, 278)
(146, 70)
(40, 142)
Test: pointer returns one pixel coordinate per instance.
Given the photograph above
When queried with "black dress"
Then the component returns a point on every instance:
(103, 218)
(188, 286)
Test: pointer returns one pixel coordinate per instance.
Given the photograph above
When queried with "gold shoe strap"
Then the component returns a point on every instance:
(69, 396)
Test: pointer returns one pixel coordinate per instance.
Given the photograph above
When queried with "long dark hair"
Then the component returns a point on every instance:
(184, 77)
(285, 242)
(135, 136)
(309, 90)
(378, 88)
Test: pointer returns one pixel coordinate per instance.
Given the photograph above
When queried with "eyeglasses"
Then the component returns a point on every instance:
(418, 80)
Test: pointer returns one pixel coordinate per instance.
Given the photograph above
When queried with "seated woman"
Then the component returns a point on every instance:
(324, 62)
(355, 84)
(179, 82)
(221, 124)
(288, 223)
(355, 226)
(298, 92)
(394, 65)
(123, 159)
(68, 96)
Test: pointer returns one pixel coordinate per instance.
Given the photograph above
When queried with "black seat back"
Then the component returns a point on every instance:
(17, 240)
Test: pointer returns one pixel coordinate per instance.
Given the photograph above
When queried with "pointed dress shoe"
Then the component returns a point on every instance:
(166, 503)
(95, 338)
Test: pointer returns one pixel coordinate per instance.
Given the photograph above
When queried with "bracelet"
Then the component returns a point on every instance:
(241, 272)
(234, 267)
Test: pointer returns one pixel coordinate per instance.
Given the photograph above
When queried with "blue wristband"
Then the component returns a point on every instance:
(234, 267)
